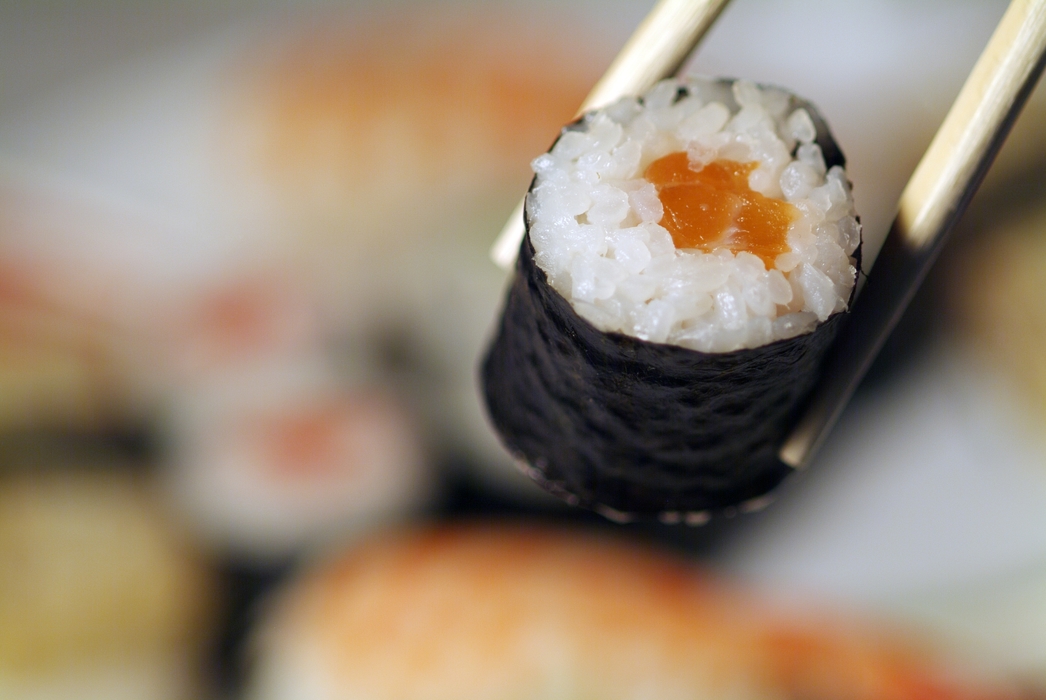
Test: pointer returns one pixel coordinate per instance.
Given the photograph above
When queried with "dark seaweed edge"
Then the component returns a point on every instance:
(754, 495)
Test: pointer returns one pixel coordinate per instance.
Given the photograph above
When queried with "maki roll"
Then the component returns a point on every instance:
(688, 257)
(289, 456)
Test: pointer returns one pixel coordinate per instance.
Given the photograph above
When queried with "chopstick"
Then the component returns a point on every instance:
(936, 196)
(657, 50)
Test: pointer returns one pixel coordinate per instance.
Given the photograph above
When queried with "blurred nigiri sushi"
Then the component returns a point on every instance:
(495, 611)
(345, 116)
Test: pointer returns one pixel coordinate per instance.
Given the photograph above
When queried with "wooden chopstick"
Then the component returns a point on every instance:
(936, 196)
(657, 50)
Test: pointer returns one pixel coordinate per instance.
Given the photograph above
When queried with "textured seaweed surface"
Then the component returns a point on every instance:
(634, 428)
(639, 427)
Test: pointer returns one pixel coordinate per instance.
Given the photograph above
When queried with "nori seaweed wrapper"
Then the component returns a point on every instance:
(633, 428)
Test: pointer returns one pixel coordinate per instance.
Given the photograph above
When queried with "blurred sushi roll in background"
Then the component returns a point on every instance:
(492, 610)
(274, 442)
(271, 461)
(274, 439)
(100, 597)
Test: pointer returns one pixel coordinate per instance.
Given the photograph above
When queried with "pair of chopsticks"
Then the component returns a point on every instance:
(935, 198)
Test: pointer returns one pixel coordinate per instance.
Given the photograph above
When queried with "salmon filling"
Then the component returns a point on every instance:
(715, 208)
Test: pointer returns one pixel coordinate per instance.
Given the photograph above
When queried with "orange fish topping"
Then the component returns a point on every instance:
(715, 208)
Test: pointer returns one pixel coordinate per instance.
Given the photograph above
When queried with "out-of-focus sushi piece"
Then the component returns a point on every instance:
(355, 116)
(99, 595)
(279, 458)
(276, 441)
(496, 611)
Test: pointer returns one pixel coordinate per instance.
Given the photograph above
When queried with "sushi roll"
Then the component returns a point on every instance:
(283, 458)
(688, 259)
(525, 612)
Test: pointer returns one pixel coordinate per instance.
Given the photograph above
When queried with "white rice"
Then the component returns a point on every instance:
(594, 220)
